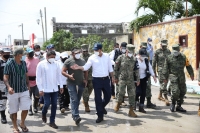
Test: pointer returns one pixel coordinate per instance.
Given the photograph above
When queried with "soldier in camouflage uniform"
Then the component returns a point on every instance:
(124, 71)
(199, 85)
(174, 69)
(158, 62)
(88, 90)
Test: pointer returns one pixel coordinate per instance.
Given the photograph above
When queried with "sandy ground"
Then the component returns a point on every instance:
(159, 120)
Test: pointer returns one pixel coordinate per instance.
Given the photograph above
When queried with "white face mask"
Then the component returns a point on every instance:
(175, 53)
(123, 50)
(77, 56)
(117, 49)
(96, 53)
(37, 53)
(51, 60)
(23, 57)
(130, 55)
(150, 43)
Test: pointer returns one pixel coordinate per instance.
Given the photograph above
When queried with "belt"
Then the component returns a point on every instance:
(32, 78)
(101, 77)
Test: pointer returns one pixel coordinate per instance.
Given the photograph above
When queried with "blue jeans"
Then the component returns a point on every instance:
(75, 97)
(50, 97)
(101, 85)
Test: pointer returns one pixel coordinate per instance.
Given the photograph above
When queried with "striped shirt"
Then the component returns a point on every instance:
(17, 75)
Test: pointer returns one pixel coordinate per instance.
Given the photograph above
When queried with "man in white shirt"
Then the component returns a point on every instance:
(48, 76)
(51, 47)
(101, 68)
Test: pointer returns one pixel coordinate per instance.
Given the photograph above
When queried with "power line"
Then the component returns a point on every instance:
(19, 14)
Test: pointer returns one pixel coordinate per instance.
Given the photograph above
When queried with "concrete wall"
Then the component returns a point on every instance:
(123, 38)
(171, 31)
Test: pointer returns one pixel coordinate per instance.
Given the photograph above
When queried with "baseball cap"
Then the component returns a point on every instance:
(29, 50)
(97, 46)
(64, 55)
(50, 46)
(149, 40)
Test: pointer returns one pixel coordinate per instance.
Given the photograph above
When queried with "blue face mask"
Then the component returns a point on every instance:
(23, 57)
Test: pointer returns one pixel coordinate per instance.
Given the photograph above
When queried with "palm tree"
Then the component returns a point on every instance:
(159, 9)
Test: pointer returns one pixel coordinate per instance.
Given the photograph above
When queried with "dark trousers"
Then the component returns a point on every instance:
(112, 88)
(101, 85)
(64, 98)
(41, 100)
(3, 114)
(50, 97)
(141, 91)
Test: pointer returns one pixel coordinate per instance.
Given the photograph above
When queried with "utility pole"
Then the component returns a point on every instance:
(42, 24)
(22, 35)
(186, 9)
(5, 41)
(45, 21)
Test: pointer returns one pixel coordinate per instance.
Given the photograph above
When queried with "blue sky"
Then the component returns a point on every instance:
(15, 12)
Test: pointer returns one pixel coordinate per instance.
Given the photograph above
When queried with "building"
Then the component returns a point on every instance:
(118, 32)
(184, 31)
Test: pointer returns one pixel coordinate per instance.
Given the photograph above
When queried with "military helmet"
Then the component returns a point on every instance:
(164, 42)
(143, 44)
(84, 47)
(176, 47)
(130, 48)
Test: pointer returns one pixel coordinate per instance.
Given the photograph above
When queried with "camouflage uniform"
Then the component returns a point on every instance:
(158, 62)
(88, 89)
(174, 68)
(124, 71)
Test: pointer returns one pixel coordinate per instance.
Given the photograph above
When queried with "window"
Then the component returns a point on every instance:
(111, 31)
(183, 40)
(84, 31)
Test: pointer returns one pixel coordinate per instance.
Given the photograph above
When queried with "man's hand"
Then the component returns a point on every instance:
(116, 81)
(192, 78)
(199, 83)
(113, 80)
(11, 91)
(74, 67)
(71, 76)
(61, 90)
(41, 93)
(85, 82)
(138, 83)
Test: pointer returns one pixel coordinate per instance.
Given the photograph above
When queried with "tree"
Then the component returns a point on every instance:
(159, 10)
(195, 9)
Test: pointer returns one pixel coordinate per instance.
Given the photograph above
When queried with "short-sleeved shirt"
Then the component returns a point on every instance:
(17, 75)
(78, 74)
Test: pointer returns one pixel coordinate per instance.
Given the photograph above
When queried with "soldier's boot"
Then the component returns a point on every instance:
(166, 100)
(141, 109)
(87, 108)
(116, 108)
(131, 113)
(30, 112)
(149, 104)
(160, 96)
(199, 111)
(180, 109)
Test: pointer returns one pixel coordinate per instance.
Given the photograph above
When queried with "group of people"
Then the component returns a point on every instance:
(57, 76)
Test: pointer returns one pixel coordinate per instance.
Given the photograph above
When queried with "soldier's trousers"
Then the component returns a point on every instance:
(178, 89)
(163, 85)
(87, 91)
(148, 89)
(123, 84)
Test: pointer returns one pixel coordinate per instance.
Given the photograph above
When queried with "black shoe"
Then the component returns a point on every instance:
(3, 120)
(104, 111)
(53, 125)
(180, 109)
(172, 107)
(151, 105)
(141, 109)
(99, 119)
(44, 118)
(77, 120)
(35, 110)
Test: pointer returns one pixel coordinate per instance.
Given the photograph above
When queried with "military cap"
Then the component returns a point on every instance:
(164, 42)
(84, 47)
(176, 47)
(123, 44)
(144, 44)
(130, 48)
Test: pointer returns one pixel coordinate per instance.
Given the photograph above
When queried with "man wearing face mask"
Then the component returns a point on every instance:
(174, 70)
(48, 76)
(64, 98)
(31, 63)
(75, 78)
(101, 69)
(38, 52)
(5, 54)
(124, 72)
(150, 49)
(158, 62)
(51, 47)
(89, 88)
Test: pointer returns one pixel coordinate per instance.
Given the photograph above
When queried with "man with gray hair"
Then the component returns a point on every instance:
(17, 84)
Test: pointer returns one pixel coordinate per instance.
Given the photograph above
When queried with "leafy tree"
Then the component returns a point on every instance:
(159, 10)
(195, 9)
